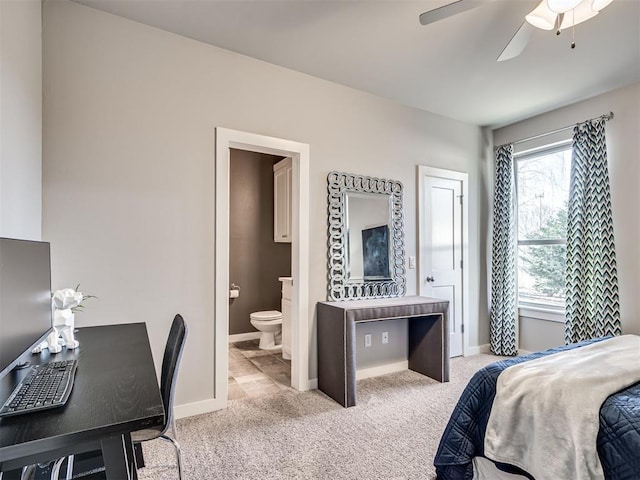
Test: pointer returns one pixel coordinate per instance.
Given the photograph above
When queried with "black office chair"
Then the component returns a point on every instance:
(168, 376)
(170, 362)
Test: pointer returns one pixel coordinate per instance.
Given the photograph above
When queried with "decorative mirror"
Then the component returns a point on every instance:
(366, 237)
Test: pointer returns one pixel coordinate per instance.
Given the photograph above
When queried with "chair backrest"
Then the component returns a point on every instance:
(170, 363)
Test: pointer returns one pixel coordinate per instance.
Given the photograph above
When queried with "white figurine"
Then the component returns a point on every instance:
(63, 321)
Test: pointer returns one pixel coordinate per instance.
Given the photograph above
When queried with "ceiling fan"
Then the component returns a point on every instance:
(548, 15)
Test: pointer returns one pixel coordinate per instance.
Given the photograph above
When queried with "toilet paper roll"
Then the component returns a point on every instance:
(234, 293)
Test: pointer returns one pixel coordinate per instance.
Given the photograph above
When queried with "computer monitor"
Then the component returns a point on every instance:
(25, 298)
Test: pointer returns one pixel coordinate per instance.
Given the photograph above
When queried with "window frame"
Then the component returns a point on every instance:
(539, 310)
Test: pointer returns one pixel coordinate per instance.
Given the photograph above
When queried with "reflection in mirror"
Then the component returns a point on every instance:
(366, 238)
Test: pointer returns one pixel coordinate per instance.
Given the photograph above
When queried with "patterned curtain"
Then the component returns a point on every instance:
(592, 306)
(503, 312)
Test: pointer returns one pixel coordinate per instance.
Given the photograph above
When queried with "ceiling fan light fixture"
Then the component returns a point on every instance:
(598, 5)
(562, 6)
(581, 13)
(542, 17)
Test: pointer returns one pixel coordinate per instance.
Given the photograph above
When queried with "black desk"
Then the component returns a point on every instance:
(115, 393)
(428, 339)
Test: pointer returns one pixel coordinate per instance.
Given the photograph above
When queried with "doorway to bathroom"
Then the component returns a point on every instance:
(228, 141)
(259, 266)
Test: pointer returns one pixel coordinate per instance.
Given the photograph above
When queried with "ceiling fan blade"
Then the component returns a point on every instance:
(450, 10)
(518, 42)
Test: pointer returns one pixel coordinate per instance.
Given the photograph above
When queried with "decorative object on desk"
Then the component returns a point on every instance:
(66, 303)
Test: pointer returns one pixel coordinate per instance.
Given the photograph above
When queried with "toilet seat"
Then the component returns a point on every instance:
(266, 316)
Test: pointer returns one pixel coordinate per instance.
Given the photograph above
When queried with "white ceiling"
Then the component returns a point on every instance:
(448, 67)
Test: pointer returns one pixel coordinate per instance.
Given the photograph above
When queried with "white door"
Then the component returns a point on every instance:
(441, 245)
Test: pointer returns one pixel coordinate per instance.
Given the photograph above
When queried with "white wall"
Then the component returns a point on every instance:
(130, 113)
(623, 148)
(21, 119)
(537, 334)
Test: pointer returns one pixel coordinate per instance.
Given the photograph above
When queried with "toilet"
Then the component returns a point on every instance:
(269, 322)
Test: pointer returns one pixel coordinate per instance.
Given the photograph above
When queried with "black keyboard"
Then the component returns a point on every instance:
(45, 386)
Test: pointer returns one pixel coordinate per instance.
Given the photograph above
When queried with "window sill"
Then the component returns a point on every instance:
(541, 313)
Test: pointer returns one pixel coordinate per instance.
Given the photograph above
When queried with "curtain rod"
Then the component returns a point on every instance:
(606, 117)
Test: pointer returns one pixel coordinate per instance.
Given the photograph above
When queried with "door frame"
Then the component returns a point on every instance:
(226, 139)
(463, 178)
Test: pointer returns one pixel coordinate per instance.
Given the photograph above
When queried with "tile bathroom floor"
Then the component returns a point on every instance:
(254, 372)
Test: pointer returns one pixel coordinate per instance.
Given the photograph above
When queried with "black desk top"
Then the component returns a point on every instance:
(115, 392)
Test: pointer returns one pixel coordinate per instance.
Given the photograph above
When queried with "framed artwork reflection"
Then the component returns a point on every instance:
(375, 252)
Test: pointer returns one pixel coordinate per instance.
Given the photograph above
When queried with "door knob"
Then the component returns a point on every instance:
(431, 279)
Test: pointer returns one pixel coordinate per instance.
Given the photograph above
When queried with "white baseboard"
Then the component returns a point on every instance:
(243, 337)
(382, 370)
(486, 348)
(313, 384)
(197, 408)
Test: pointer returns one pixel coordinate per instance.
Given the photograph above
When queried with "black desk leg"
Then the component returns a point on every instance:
(137, 451)
(119, 459)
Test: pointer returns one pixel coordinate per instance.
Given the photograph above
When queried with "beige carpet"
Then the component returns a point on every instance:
(393, 433)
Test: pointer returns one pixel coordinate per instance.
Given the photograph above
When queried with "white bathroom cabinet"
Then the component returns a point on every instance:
(287, 285)
(282, 176)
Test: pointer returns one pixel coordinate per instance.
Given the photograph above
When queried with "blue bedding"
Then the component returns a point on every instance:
(463, 438)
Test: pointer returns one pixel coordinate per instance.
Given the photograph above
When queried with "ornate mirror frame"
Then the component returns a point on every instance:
(339, 287)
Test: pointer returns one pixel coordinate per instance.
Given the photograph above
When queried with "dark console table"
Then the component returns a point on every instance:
(115, 393)
(428, 339)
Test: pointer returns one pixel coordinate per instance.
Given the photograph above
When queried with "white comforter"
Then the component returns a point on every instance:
(545, 415)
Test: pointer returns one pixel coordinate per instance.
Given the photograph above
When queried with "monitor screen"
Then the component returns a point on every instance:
(25, 298)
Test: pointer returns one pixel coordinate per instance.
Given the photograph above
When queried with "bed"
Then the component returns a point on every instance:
(618, 436)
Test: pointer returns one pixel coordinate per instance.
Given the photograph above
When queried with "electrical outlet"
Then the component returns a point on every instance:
(412, 262)
(385, 337)
(367, 340)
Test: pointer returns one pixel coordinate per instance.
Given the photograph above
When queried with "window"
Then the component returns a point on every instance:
(542, 185)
